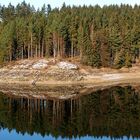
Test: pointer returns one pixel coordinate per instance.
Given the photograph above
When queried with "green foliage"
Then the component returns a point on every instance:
(101, 37)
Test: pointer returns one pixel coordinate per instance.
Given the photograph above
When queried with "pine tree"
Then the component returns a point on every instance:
(98, 36)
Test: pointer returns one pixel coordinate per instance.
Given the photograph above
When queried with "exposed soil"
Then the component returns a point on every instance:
(48, 73)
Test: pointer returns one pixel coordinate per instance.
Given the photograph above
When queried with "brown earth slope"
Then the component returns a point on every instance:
(42, 71)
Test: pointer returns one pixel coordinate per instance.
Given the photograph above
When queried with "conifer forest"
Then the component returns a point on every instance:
(107, 36)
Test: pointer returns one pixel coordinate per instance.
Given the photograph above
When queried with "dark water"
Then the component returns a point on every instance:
(112, 113)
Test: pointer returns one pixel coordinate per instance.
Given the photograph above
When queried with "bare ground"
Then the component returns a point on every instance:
(22, 73)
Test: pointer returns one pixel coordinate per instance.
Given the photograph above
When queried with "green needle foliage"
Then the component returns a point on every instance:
(99, 37)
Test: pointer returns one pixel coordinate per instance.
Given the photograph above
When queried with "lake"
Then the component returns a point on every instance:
(108, 114)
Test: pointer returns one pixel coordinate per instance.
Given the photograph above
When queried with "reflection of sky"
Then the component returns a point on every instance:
(5, 135)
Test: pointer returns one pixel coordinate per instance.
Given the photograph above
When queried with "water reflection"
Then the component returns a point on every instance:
(113, 112)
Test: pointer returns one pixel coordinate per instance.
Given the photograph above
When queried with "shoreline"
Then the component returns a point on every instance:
(96, 82)
(113, 78)
(22, 79)
(75, 89)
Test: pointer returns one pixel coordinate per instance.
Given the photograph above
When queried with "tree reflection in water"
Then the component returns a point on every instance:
(113, 112)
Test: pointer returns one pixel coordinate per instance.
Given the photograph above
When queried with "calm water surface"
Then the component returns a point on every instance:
(108, 114)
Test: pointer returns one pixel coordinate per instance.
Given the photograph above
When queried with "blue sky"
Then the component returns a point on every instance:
(13, 135)
(58, 3)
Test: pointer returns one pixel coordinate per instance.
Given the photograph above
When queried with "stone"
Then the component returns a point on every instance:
(67, 66)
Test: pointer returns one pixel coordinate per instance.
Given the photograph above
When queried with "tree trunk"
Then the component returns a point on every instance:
(54, 45)
(54, 52)
(22, 55)
(58, 46)
(81, 53)
(72, 49)
(139, 53)
(39, 50)
(10, 54)
(46, 50)
(31, 45)
(28, 51)
(10, 57)
(36, 52)
(62, 47)
(42, 48)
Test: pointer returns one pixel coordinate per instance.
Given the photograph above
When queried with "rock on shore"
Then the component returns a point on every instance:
(41, 70)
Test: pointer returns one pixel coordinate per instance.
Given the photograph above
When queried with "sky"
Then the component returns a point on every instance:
(13, 135)
(58, 3)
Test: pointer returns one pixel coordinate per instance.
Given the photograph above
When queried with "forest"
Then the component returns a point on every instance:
(107, 36)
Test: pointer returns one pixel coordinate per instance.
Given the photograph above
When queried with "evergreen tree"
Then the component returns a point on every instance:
(107, 36)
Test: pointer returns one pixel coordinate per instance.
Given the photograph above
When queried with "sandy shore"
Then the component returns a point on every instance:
(61, 83)
(104, 79)
(63, 90)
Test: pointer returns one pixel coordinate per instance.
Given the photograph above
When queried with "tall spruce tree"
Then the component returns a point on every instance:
(107, 36)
